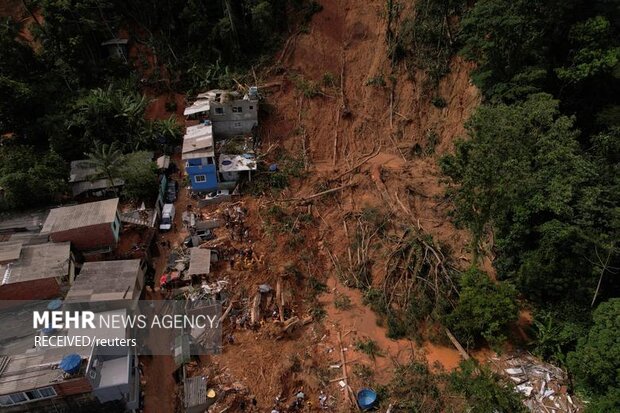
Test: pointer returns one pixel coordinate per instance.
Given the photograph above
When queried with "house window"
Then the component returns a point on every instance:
(19, 398)
(200, 178)
(237, 125)
(251, 107)
(209, 161)
(28, 396)
(219, 111)
(237, 109)
(6, 401)
(47, 392)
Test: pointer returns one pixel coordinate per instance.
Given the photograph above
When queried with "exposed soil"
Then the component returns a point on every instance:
(344, 38)
(348, 39)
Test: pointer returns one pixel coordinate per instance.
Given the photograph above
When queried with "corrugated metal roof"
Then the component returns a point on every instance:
(198, 146)
(163, 162)
(106, 280)
(201, 105)
(200, 129)
(32, 370)
(81, 170)
(80, 178)
(10, 250)
(200, 261)
(37, 262)
(79, 188)
(195, 391)
(79, 216)
(20, 222)
(38, 367)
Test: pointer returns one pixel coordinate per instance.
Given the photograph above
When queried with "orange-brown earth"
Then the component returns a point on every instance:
(350, 40)
(343, 41)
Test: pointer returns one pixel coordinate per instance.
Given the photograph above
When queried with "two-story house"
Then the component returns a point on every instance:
(230, 113)
(199, 155)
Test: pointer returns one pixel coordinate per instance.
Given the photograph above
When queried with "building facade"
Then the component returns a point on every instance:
(89, 227)
(230, 113)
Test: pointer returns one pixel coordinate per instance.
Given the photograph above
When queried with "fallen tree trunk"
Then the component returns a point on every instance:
(457, 345)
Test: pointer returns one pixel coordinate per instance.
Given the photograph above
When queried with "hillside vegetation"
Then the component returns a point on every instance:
(60, 92)
(536, 180)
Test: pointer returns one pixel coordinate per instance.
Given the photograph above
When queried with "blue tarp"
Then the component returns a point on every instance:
(71, 363)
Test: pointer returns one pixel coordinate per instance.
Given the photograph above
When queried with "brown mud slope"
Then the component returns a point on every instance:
(339, 127)
(348, 39)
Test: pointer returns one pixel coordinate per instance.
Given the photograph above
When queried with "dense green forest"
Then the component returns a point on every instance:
(62, 93)
(537, 179)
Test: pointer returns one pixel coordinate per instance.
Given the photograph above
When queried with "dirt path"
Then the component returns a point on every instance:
(159, 387)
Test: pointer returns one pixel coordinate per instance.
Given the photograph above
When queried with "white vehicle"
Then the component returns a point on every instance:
(167, 217)
(217, 194)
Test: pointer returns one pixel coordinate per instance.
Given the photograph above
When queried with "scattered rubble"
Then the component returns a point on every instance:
(543, 385)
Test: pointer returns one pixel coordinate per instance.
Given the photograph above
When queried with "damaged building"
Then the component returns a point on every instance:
(229, 112)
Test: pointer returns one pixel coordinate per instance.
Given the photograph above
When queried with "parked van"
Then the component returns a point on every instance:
(167, 217)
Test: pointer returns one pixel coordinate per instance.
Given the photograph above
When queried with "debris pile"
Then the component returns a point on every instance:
(234, 221)
(543, 385)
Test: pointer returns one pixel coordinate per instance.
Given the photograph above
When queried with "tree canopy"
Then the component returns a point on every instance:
(484, 309)
(596, 360)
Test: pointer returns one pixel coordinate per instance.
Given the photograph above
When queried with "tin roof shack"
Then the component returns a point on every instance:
(90, 227)
(83, 184)
(199, 155)
(230, 113)
(34, 272)
(108, 280)
(105, 378)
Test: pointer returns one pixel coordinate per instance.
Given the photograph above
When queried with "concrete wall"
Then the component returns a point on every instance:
(236, 117)
(89, 238)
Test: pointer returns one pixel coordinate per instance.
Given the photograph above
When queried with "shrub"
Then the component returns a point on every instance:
(484, 309)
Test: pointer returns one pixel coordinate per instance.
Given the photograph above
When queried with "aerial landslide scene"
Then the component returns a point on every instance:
(277, 206)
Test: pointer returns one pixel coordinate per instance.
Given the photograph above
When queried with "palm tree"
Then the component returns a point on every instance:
(107, 161)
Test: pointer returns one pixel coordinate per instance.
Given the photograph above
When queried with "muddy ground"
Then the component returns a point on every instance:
(349, 41)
